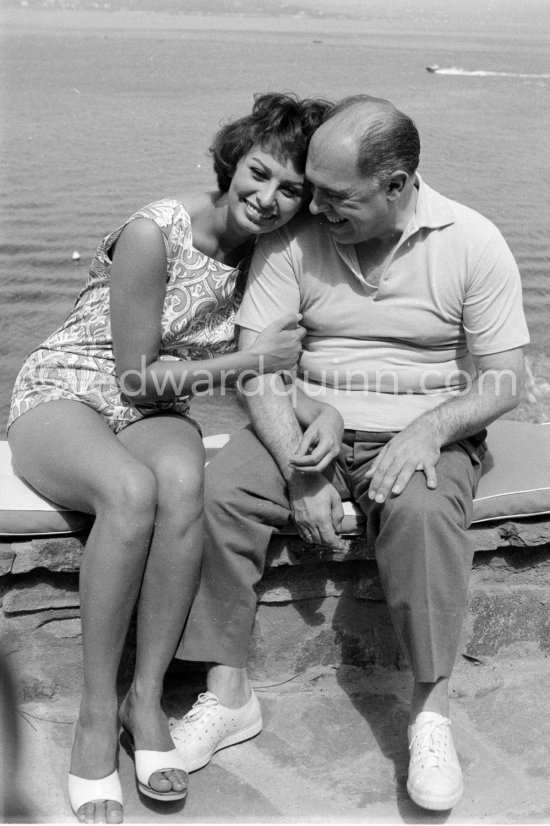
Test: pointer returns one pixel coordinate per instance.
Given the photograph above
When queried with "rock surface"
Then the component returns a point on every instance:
(315, 606)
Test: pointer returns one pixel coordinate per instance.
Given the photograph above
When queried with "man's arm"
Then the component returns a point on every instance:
(316, 506)
(323, 432)
(495, 391)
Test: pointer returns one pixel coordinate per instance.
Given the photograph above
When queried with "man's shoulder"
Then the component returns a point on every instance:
(303, 235)
(462, 215)
(303, 227)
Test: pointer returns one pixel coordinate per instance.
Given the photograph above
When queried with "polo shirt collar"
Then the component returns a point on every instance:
(432, 211)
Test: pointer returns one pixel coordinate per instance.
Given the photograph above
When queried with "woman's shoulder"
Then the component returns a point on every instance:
(197, 204)
(194, 208)
(169, 214)
(164, 212)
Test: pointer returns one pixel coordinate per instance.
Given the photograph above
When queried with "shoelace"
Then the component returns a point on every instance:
(203, 702)
(429, 744)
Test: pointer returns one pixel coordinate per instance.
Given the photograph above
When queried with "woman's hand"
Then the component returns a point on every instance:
(279, 345)
(320, 443)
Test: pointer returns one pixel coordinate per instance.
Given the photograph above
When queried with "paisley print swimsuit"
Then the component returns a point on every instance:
(198, 322)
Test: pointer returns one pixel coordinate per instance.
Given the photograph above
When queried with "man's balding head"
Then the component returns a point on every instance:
(385, 139)
(361, 163)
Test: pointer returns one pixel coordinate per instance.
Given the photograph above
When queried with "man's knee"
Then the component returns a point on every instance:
(420, 505)
(242, 471)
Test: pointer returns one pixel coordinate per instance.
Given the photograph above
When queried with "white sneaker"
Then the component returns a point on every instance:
(435, 776)
(209, 727)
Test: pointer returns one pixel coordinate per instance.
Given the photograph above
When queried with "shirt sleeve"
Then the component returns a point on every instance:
(272, 288)
(493, 316)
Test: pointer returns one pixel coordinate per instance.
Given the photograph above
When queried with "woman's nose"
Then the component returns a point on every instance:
(266, 195)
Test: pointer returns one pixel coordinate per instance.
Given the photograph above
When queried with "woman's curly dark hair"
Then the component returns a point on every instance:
(281, 124)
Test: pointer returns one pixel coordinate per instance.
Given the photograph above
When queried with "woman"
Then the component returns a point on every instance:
(100, 422)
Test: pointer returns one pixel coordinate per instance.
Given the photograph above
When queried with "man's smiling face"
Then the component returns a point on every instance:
(356, 207)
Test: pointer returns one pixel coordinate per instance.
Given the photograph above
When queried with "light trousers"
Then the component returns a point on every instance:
(423, 549)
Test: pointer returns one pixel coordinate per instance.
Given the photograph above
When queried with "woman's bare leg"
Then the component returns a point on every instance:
(172, 448)
(67, 452)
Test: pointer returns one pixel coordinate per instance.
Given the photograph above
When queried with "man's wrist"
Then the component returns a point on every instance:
(427, 423)
(299, 482)
(335, 417)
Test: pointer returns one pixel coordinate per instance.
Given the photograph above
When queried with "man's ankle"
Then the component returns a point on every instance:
(230, 685)
(432, 697)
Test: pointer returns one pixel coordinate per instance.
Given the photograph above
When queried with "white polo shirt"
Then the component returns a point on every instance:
(384, 356)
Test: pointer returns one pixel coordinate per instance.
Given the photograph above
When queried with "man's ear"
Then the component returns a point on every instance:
(397, 184)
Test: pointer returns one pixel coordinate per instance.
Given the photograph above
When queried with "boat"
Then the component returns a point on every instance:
(433, 69)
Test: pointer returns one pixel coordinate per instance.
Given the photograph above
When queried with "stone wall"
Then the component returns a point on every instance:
(315, 607)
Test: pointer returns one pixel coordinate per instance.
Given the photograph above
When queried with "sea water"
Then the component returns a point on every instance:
(105, 111)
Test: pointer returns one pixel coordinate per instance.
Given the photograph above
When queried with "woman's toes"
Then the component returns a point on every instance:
(160, 783)
(178, 779)
(172, 780)
(113, 812)
(100, 811)
(86, 813)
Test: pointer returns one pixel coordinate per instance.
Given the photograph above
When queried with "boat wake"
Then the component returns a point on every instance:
(453, 70)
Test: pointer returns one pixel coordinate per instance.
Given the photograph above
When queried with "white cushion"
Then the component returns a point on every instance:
(515, 483)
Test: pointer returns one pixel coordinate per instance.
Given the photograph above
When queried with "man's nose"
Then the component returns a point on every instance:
(316, 204)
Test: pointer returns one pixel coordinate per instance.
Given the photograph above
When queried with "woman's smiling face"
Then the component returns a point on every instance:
(265, 193)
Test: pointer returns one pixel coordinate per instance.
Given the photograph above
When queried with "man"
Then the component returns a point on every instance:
(414, 329)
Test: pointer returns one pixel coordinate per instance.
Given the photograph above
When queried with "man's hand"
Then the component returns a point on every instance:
(316, 509)
(320, 443)
(495, 390)
(414, 448)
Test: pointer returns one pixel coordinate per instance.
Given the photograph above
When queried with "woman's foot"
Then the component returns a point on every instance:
(145, 720)
(94, 757)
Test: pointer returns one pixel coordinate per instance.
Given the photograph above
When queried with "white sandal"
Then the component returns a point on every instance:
(149, 762)
(82, 791)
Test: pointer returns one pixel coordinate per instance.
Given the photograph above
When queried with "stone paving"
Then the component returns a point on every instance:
(332, 750)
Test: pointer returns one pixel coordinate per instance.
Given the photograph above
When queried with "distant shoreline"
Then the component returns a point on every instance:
(197, 10)
(82, 22)
(271, 8)
(399, 19)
